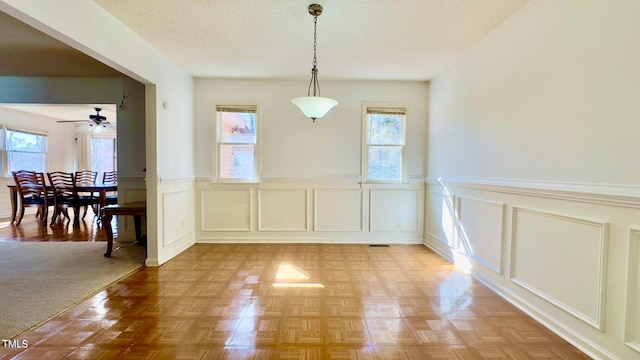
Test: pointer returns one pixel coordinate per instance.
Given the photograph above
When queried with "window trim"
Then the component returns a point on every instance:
(365, 143)
(217, 135)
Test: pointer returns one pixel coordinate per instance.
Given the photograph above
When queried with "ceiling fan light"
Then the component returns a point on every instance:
(314, 107)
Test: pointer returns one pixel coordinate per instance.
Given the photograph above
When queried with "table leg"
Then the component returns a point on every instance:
(106, 222)
(102, 201)
(137, 222)
(13, 197)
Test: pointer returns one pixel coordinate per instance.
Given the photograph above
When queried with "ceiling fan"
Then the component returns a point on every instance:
(95, 121)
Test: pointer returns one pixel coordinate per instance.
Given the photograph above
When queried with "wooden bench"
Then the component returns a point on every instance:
(136, 209)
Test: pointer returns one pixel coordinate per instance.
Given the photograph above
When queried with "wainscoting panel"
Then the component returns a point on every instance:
(440, 222)
(632, 334)
(301, 210)
(226, 209)
(393, 210)
(282, 210)
(568, 256)
(178, 212)
(337, 210)
(552, 253)
(480, 231)
(408, 203)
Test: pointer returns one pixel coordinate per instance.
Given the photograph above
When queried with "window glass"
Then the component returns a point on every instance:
(386, 129)
(385, 163)
(236, 161)
(103, 155)
(26, 151)
(238, 128)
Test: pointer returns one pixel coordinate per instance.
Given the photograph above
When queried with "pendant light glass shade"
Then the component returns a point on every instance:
(314, 107)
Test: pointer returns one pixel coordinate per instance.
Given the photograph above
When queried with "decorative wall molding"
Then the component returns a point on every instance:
(541, 242)
(604, 194)
(356, 180)
(174, 181)
(632, 318)
(177, 210)
(441, 217)
(483, 242)
(329, 212)
(569, 334)
(341, 212)
(289, 208)
(393, 210)
(319, 178)
(227, 209)
(325, 238)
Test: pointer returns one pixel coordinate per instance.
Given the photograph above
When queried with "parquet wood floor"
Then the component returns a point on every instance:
(62, 230)
(295, 301)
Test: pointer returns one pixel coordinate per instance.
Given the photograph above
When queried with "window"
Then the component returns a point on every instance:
(237, 141)
(103, 154)
(26, 150)
(384, 141)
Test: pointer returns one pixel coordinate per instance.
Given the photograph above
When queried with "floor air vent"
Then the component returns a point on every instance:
(378, 245)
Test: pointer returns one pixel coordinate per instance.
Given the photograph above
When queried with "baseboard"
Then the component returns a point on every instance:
(585, 345)
(574, 338)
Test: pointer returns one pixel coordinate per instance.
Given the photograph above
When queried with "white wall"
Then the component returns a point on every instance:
(61, 142)
(168, 133)
(532, 175)
(310, 186)
(553, 86)
(60, 137)
(295, 147)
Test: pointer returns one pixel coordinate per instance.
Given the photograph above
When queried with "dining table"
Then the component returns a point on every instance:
(100, 188)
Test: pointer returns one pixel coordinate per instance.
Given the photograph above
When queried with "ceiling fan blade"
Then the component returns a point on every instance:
(110, 126)
(70, 121)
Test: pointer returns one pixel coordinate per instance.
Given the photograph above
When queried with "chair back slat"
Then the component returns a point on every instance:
(63, 184)
(110, 177)
(31, 186)
(86, 177)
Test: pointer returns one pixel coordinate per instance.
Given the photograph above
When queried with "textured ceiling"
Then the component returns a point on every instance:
(357, 39)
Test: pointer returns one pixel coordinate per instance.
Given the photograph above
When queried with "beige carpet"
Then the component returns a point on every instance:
(41, 279)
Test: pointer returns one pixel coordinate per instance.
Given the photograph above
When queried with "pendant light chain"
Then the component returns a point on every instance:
(314, 70)
(315, 42)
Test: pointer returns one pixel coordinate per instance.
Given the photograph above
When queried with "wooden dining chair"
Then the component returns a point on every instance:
(87, 177)
(32, 191)
(111, 177)
(62, 184)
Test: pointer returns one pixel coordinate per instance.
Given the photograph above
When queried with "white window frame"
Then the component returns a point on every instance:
(249, 105)
(5, 147)
(391, 108)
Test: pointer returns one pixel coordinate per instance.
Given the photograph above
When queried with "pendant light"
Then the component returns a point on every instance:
(313, 105)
